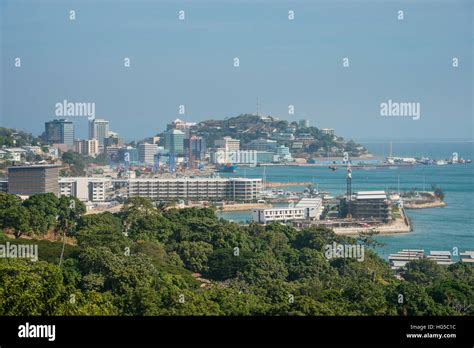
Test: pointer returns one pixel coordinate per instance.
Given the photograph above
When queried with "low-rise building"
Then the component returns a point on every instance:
(236, 189)
(305, 209)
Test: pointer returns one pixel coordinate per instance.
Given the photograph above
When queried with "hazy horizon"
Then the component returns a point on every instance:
(282, 62)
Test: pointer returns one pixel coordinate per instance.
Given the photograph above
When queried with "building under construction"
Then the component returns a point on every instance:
(371, 206)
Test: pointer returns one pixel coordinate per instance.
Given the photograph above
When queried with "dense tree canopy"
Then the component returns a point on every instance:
(148, 260)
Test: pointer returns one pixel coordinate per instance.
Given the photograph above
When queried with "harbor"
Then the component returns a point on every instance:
(435, 225)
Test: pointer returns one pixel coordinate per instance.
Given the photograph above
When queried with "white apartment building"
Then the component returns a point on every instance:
(238, 189)
(86, 189)
(228, 143)
(306, 208)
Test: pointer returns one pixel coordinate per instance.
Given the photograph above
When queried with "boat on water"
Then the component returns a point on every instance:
(227, 168)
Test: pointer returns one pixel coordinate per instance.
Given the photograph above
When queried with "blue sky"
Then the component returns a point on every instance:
(282, 62)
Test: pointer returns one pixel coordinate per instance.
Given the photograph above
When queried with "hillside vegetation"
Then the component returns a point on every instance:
(145, 260)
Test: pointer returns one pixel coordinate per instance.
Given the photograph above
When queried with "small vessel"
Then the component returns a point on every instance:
(227, 168)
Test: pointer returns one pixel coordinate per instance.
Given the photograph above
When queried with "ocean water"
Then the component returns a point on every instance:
(433, 229)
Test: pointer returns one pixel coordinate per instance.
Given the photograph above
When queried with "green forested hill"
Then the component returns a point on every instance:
(250, 127)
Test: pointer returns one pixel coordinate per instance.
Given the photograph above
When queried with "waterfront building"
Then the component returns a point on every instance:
(262, 144)
(235, 189)
(284, 154)
(245, 157)
(305, 209)
(59, 131)
(265, 157)
(371, 206)
(87, 147)
(228, 143)
(467, 257)
(442, 257)
(29, 180)
(99, 129)
(401, 258)
(147, 152)
(86, 188)
(174, 141)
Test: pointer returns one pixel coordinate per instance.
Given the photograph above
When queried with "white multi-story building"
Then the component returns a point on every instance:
(307, 208)
(147, 152)
(228, 144)
(86, 188)
(238, 189)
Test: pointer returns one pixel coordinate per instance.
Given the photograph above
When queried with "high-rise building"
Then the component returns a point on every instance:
(99, 129)
(197, 147)
(87, 147)
(28, 180)
(228, 143)
(147, 152)
(59, 132)
(174, 141)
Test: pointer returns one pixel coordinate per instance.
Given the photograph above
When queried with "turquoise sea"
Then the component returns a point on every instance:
(433, 229)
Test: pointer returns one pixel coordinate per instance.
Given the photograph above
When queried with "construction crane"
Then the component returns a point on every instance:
(349, 190)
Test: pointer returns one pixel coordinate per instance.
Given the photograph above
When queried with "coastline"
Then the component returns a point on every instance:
(436, 204)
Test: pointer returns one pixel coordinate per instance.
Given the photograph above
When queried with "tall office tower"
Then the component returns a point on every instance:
(174, 141)
(59, 132)
(197, 148)
(147, 152)
(228, 144)
(28, 180)
(88, 147)
(99, 129)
